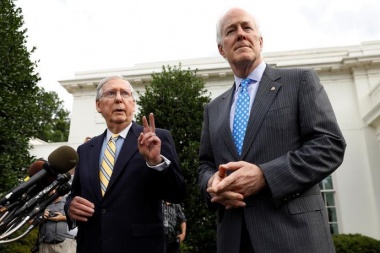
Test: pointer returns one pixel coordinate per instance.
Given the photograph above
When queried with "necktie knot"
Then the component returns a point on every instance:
(114, 137)
(244, 84)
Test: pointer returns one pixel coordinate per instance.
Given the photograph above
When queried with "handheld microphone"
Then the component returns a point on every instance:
(59, 161)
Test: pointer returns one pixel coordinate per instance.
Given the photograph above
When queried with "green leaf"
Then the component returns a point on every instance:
(177, 98)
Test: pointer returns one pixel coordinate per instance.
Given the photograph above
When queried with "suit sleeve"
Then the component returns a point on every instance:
(206, 160)
(321, 147)
(172, 182)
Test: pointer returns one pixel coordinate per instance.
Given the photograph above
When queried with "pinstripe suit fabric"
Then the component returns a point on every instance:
(293, 136)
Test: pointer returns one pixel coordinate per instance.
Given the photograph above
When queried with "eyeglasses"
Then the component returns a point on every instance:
(113, 93)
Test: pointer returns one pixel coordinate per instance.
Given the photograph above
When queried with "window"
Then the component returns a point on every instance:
(328, 194)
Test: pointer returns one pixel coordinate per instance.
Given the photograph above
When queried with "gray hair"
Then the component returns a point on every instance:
(219, 27)
(99, 91)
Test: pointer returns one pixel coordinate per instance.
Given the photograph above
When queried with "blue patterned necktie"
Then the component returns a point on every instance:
(241, 115)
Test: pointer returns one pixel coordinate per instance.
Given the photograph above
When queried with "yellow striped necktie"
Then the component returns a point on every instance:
(108, 162)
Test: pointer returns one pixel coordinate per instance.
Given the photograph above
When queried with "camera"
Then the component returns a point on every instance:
(52, 213)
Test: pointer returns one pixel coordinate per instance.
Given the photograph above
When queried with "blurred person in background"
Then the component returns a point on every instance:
(174, 225)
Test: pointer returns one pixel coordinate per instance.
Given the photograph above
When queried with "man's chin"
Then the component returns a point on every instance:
(119, 119)
(241, 58)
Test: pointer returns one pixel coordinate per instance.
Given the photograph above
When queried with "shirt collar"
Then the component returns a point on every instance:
(256, 75)
(121, 134)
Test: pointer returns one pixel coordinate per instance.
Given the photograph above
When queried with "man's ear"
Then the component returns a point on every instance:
(221, 51)
(98, 107)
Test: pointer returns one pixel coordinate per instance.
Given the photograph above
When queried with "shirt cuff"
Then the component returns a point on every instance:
(160, 167)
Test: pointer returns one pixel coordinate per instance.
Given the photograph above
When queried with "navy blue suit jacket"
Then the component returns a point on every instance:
(129, 216)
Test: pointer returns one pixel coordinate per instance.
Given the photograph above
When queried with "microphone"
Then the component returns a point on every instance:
(63, 159)
(59, 161)
(17, 212)
(61, 179)
(61, 190)
(36, 167)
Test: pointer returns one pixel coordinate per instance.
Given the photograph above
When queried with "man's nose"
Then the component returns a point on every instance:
(240, 33)
(118, 95)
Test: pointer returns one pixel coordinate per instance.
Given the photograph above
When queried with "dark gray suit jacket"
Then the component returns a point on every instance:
(293, 136)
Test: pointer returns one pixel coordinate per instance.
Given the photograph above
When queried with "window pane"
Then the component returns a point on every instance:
(328, 194)
(327, 182)
(329, 198)
(332, 214)
(334, 228)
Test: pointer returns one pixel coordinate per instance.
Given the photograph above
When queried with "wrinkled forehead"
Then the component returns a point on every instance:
(236, 16)
(117, 83)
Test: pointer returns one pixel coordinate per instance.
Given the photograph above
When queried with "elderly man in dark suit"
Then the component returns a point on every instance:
(121, 177)
(266, 144)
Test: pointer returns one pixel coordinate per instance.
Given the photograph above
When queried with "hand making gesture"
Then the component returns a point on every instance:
(148, 142)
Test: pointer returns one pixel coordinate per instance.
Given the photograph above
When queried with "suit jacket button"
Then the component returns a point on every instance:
(104, 211)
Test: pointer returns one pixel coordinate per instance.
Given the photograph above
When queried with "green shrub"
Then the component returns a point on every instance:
(355, 243)
(22, 245)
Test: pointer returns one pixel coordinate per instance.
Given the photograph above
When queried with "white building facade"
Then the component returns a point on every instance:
(351, 77)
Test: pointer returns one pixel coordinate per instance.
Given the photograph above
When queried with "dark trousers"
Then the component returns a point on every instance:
(172, 245)
(245, 243)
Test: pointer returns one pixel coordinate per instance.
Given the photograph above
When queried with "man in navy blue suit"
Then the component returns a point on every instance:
(127, 216)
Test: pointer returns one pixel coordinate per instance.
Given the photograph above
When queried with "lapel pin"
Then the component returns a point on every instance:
(273, 88)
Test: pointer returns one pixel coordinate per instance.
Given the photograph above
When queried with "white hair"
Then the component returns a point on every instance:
(99, 91)
(220, 23)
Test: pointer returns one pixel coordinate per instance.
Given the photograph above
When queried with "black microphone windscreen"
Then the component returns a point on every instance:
(63, 159)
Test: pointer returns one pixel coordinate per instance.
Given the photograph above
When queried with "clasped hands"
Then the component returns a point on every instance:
(230, 190)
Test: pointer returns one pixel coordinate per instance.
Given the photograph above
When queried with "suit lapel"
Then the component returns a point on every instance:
(93, 161)
(224, 121)
(266, 93)
(128, 150)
